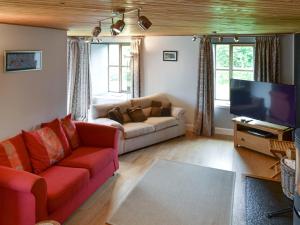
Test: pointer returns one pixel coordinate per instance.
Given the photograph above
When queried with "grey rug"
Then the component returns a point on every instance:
(174, 193)
(262, 197)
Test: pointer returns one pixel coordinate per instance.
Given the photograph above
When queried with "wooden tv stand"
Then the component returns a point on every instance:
(256, 135)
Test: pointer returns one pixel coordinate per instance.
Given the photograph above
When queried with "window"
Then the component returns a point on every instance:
(119, 78)
(232, 61)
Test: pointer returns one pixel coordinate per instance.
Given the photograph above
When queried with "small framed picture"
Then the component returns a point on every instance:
(22, 61)
(170, 55)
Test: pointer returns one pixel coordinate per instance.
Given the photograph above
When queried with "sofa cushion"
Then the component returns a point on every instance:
(116, 115)
(136, 114)
(101, 110)
(56, 126)
(13, 153)
(132, 130)
(160, 123)
(155, 109)
(93, 159)
(70, 131)
(166, 110)
(145, 102)
(63, 183)
(45, 148)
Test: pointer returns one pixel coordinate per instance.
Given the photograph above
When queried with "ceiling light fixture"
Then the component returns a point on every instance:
(236, 39)
(194, 38)
(220, 38)
(112, 31)
(97, 30)
(119, 26)
(143, 22)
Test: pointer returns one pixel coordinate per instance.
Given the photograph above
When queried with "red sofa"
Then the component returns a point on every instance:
(26, 198)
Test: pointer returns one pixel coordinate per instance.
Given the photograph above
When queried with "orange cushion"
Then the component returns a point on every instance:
(70, 131)
(63, 183)
(93, 159)
(13, 153)
(44, 148)
(56, 126)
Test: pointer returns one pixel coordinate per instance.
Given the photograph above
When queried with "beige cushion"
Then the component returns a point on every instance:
(126, 118)
(147, 111)
(145, 102)
(108, 122)
(101, 110)
(132, 130)
(161, 122)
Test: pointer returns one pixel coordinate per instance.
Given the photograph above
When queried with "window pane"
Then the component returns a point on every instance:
(243, 75)
(222, 56)
(243, 57)
(126, 79)
(222, 85)
(125, 55)
(113, 54)
(113, 79)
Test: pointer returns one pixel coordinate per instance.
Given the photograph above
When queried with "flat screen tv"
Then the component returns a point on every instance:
(274, 103)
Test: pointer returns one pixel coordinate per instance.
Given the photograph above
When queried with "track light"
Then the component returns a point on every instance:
(112, 31)
(194, 38)
(97, 30)
(220, 38)
(119, 26)
(143, 22)
(236, 39)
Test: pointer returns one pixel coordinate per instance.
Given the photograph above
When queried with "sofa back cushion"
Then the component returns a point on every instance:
(13, 153)
(45, 148)
(69, 128)
(101, 110)
(136, 114)
(146, 102)
(56, 126)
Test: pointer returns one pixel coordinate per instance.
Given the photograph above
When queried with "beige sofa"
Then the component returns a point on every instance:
(138, 135)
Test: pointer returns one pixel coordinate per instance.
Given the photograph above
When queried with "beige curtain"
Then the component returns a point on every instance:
(79, 79)
(204, 114)
(136, 51)
(267, 59)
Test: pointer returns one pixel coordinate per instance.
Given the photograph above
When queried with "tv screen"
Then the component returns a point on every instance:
(274, 103)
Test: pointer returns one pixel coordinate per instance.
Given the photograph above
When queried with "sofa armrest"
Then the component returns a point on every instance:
(96, 135)
(178, 113)
(23, 197)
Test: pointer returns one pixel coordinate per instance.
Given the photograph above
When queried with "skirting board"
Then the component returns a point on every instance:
(218, 130)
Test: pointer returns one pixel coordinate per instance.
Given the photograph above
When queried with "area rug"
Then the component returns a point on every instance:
(263, 197)
(174, 193)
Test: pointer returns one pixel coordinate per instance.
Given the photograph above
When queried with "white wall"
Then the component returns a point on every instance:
(177, 79)
(29, 98)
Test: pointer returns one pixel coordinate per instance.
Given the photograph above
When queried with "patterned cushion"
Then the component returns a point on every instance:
(116, 115)
(136, 114)
(156, 108)
(71, 132)
(13, 153)
(56, 126)
(45, 148)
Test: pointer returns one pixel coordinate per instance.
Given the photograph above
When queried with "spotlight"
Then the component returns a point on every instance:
(143, 22)
(97, 30)
(236, 39)
(112, 31)
(119, 26)
(220, 38)
(194, 38)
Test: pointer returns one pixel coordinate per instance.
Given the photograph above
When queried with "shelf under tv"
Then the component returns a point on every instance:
(256, 135)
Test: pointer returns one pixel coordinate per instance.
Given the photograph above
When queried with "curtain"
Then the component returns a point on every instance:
(79, 79)
(204, 114)
(267, 59)
(136, 51)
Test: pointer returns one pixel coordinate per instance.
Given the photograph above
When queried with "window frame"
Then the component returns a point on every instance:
(230, 69)
(120, 66)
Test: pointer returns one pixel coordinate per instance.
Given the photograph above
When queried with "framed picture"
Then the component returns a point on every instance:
(22, 61)
(170, 55)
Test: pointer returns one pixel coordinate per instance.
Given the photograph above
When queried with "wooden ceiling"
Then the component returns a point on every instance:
(169, 17)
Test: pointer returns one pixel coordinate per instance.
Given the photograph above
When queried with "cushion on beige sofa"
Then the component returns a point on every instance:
(132, 130)
(160, 123)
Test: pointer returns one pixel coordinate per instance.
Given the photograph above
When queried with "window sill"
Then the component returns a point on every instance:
(222, 104)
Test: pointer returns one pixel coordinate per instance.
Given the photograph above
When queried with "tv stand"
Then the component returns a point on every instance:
(256, 135)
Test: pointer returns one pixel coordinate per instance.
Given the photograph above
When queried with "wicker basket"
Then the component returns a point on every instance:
(288, 177)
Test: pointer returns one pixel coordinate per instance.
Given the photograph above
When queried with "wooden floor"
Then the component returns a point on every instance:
(211, 152)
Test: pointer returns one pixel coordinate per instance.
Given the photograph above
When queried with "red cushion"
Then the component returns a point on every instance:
(56, 126)
(63, 183)
(13, 153)
(45, 148)
(93, 159)
(70, 131)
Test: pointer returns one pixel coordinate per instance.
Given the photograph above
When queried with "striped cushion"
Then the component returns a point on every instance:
(45, 148)
(71, 132)
(13, 153)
